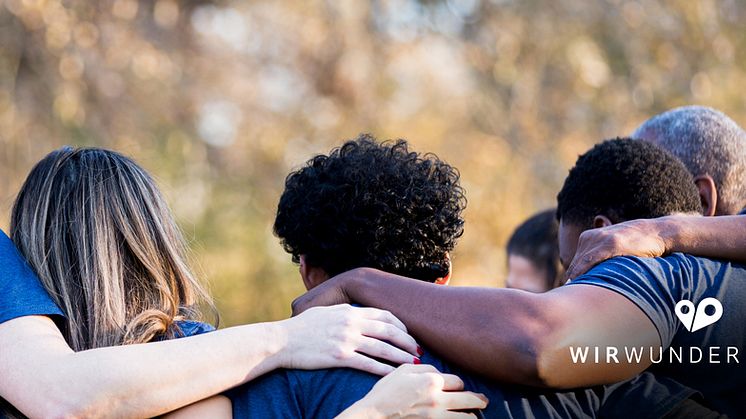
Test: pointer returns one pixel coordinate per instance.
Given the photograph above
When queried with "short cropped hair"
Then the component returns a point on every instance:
(709, 143)
(373, 204)
(624, 179)
(536, 240)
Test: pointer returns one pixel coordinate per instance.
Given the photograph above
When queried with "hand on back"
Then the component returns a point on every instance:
(417, 391)
(346, 336)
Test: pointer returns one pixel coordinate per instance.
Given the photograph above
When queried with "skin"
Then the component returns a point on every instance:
(416, 391)
(410, 391)
(523, 275)
(43, 377)
(514, 336)
(714, 237)
(508, 335)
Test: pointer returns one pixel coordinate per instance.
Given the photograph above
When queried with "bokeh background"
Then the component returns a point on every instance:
(221, 99)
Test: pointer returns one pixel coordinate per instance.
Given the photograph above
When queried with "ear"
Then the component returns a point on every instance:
(708, 194)
(312, 276)
(446, 279)
(601, 221)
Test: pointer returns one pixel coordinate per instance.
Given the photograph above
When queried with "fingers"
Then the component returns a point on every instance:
(382, 350)
(299, 305)
(416, 369)
(452, 383)
(463, 400)
(457, 415)
(390, 333)
(382, 315)
(363, 363)
(584, 261)
(327, 294)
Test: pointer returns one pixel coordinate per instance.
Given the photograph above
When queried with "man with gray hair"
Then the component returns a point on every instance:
(712, 146)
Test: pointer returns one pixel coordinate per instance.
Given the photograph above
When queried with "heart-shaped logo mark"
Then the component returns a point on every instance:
(693, 319)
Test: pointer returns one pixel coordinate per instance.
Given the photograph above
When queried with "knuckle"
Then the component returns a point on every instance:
(434, 381)
(340, 354)
(389, 331)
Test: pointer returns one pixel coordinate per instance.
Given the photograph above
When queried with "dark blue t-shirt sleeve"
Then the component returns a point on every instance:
(21, 293)
(186, 328)
(655, 285)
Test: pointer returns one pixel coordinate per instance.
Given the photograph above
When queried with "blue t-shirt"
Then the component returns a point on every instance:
(186, 328)
(21, 293)
(656, 285)
(326, 393)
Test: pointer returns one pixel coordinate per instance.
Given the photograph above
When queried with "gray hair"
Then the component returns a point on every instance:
(708, 142)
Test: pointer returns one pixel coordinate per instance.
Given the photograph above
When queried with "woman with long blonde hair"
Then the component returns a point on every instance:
(99, 235)
(96, 231)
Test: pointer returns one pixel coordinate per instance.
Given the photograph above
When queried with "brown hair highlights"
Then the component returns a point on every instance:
(100, 236)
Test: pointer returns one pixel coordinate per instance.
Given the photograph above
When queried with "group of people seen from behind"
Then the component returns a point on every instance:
(101, 313)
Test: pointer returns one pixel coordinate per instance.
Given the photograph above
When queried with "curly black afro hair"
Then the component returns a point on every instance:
(371, 204)
(626, 179)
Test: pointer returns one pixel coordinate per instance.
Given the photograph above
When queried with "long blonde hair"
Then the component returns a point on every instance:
(100, 236)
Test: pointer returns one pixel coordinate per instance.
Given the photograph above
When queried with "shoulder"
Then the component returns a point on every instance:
(622, 263)
(186, 328)
(21, 292)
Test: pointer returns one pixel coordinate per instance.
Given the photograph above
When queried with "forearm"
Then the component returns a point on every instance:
(715, 237)
(467, 326)
(136, 380)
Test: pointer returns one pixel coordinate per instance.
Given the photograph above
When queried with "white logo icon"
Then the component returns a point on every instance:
(694, 321)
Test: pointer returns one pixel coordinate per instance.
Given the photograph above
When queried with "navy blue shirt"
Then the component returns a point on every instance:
(21, 293)
(326, 393)
(188, 328)
(656, 285)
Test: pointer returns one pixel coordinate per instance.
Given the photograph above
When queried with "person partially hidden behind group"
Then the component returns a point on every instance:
(385, 206)
(533, 254)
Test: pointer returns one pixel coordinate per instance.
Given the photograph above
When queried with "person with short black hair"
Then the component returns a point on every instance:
(620, 180)
(626, 302)
(533, 254)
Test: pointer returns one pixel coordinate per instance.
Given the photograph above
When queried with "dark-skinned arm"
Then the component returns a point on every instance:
(713, 237)
(507, 335)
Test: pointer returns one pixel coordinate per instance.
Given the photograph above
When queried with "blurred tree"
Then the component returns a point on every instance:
(221, 99)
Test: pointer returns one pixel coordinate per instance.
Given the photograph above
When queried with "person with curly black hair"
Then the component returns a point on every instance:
(623, 304)
(372, 204)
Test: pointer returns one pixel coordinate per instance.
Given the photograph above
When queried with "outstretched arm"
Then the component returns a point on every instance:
(41, 376)
(713, 237)
(508, 335)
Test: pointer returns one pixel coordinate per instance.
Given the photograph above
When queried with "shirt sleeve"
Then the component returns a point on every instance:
(186, 328)
(653, 284)
(21, 293)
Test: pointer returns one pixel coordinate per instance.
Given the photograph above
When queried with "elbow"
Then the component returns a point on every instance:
(64, 410)
(542, 356)
(550, 364)
(72, 406)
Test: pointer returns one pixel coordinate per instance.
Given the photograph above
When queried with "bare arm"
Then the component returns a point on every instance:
(714, 237)
(509, 335)
(43, 377)
(216, 407)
